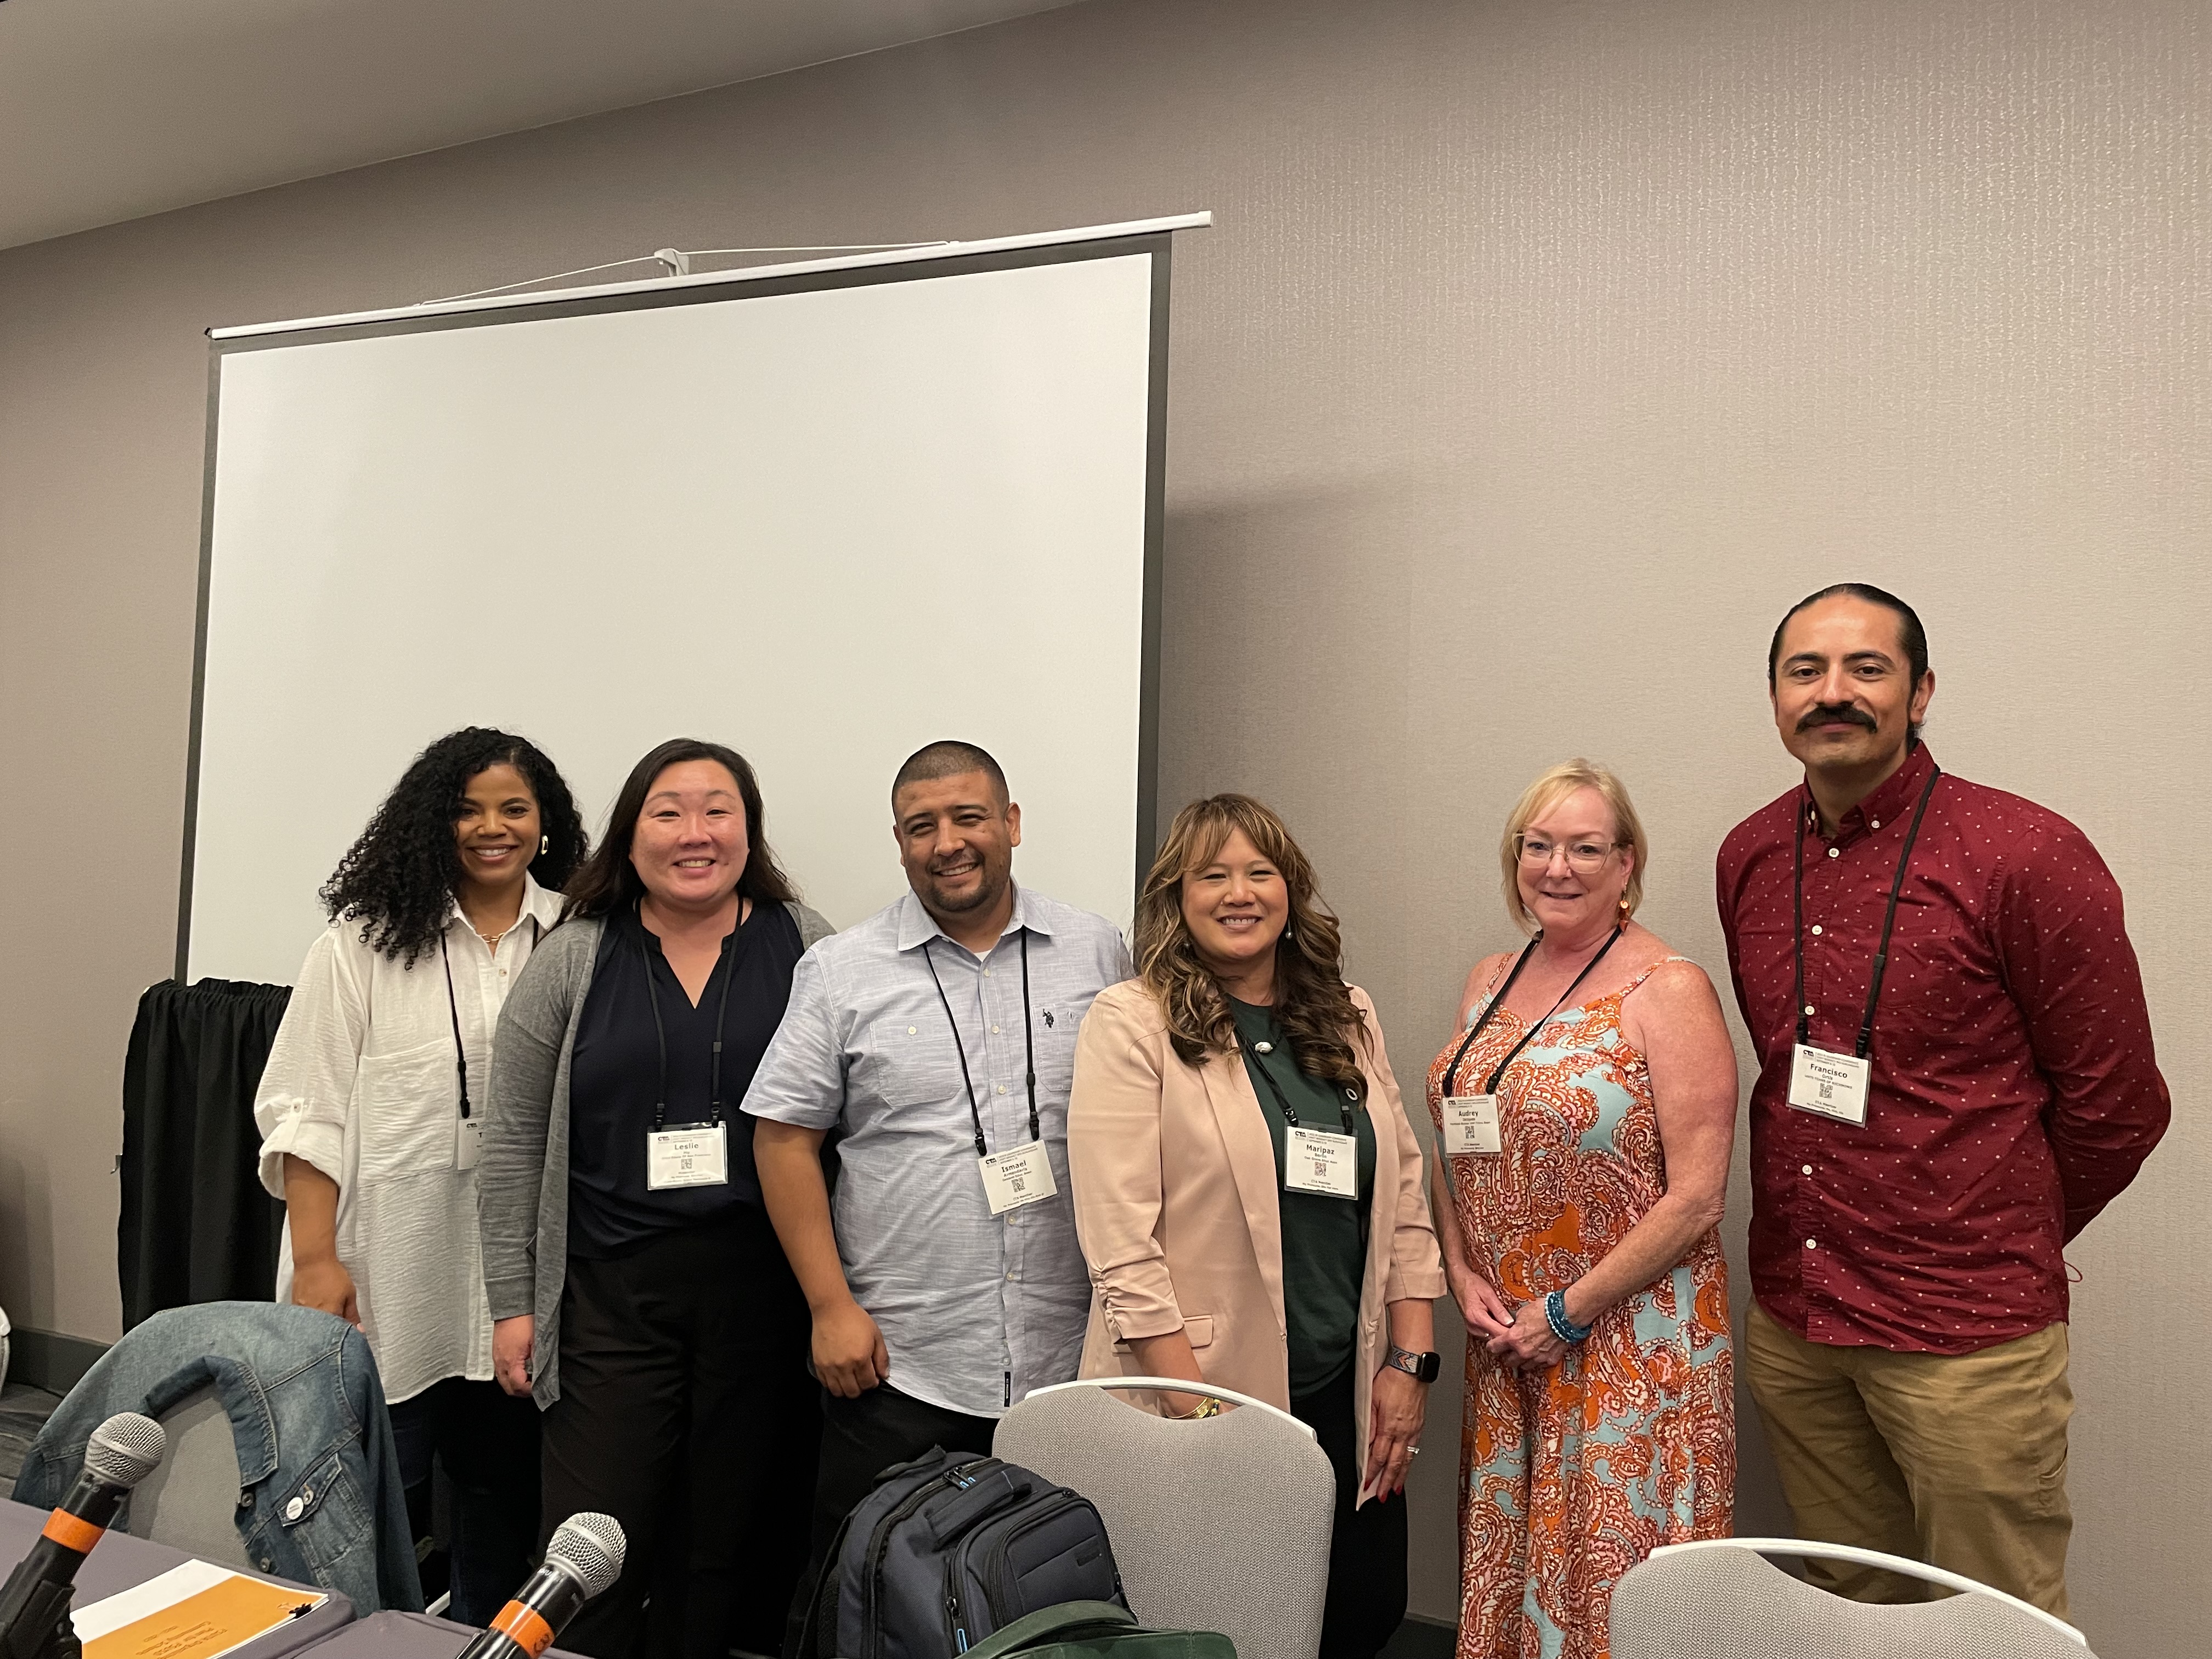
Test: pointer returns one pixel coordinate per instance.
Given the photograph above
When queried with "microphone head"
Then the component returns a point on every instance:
(126, 1448)
(589, 1547)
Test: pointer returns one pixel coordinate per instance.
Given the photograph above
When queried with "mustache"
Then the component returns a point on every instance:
(1828, 713)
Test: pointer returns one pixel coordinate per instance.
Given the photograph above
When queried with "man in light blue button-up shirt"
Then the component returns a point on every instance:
(913, 1036)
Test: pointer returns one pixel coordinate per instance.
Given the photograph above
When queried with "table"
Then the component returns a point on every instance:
(119, 1562)
(391, 1635)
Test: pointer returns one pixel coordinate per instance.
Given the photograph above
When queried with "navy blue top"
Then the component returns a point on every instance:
(614, 1079)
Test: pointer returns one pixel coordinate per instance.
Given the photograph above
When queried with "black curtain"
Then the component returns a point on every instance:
(197, 1226)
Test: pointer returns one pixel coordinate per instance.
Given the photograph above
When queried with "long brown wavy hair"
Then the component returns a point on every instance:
(1313, 1004)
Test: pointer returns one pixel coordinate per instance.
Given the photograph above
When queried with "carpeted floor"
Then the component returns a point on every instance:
(23, 1412)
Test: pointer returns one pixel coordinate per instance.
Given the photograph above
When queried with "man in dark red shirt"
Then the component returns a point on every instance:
(1955, 1076)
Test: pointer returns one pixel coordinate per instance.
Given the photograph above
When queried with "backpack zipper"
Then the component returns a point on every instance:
(956, 1478)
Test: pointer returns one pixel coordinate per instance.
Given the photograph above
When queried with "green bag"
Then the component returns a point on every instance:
(1096, 1630)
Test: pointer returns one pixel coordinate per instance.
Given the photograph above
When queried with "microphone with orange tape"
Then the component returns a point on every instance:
(34, 1607)
(582, 1558)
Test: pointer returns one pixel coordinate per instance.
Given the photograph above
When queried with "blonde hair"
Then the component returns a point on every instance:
(1313, 1006)
(1550, 788)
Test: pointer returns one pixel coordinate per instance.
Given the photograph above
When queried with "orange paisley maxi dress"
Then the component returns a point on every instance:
(1568, 1478)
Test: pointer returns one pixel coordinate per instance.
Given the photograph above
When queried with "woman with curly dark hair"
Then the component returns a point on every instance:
(1237, 1064)
(372, 1108)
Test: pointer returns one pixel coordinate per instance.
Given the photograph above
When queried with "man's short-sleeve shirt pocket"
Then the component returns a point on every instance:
(908, 1059)
(1054, 1030)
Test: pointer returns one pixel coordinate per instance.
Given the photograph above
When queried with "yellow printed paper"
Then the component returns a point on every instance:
(196, 1610)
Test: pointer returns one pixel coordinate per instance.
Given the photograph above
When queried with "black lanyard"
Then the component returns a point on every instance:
(453, 1008)
(1451, 1071)
(727, 967)
(1029, 1046)
(1889, 917)
(1290, 1113)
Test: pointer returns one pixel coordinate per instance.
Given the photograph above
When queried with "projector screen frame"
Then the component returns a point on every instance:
(1153, 239)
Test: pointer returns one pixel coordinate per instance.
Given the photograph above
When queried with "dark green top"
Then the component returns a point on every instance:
(1323, 1259)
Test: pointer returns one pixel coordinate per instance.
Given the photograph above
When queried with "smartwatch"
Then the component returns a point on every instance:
(1421, 1367)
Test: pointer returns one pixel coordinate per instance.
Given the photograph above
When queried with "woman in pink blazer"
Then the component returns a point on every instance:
(1248, 1190)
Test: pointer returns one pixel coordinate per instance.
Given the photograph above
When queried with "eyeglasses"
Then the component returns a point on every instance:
(1585, 857)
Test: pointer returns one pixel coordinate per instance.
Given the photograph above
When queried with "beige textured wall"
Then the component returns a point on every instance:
(1544, 353)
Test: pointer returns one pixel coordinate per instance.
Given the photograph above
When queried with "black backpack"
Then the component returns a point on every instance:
(947, 1549)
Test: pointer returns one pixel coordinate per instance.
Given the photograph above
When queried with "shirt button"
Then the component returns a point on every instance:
(1835, 852)
(295, 1510)
(1812, 1244)
(1805, 1168)
(1809, 1008)
(987, 973)
(1877, 824)
(1816, 929)
(909, 1031)
(1002, 1088)
(994, 1030)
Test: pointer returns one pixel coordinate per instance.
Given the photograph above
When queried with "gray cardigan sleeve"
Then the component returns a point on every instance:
(525, 1062)
(813, 927)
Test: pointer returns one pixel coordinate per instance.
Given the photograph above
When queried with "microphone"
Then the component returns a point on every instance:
(583, 1557)
(34, 1607)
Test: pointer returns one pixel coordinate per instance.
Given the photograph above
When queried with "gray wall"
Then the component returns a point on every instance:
(1543, 354)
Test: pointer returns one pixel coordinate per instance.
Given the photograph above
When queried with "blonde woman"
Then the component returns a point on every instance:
(1248, 1190)
(1586, 1105)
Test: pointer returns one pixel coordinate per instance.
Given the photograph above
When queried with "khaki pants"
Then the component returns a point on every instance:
(1956, 1460)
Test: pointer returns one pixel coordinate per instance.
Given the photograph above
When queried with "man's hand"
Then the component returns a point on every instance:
(849, 1356)
(325, 1283)
(511, 1340)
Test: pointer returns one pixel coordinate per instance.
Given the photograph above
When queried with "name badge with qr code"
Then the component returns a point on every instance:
(1834, 1086)
(1471, 1125)
(468, 1142)
(688, 1155)
(1020, 1174)
(1316, 1161)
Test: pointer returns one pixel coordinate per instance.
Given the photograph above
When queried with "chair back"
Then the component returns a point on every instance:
(1721, 1598)
(1220, 1524)
(191, 1501)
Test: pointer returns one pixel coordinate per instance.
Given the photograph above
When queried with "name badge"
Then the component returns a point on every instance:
(1020, 1174)
(689, 1155)
(1834, 1086)
(1471, 1125)
(1316, 1161)
(468, 1141)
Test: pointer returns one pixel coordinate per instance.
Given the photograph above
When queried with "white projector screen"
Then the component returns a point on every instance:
(824, 517)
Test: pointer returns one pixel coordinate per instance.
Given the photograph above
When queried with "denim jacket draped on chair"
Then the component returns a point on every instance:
(320, 1499)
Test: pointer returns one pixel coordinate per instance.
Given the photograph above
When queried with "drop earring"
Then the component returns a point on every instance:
(1625, 911)
(544, 845)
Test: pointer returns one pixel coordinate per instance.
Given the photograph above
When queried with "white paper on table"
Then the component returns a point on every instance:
(159, 1593)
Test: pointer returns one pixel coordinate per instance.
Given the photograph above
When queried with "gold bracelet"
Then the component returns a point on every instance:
(1208, 1407)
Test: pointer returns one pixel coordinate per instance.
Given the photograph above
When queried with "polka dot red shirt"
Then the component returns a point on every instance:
(2014, 1091)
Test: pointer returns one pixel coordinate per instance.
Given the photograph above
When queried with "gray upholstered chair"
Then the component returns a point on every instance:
(1721, 1598)
(191, 1500)
(1221, 1524)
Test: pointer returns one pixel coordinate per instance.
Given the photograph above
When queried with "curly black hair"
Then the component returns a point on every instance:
(398, 879)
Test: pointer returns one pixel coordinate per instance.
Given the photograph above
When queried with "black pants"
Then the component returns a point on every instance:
(687, 1412)
(487, 1439)
(860, 1438)
(1367, 1552)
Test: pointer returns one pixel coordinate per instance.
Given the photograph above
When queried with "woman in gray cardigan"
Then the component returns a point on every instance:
(636, 1286)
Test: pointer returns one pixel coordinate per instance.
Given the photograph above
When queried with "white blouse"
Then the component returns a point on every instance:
(361, 1083)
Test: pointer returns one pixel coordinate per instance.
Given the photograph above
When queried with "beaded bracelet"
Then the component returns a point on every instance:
(1555, 1316)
